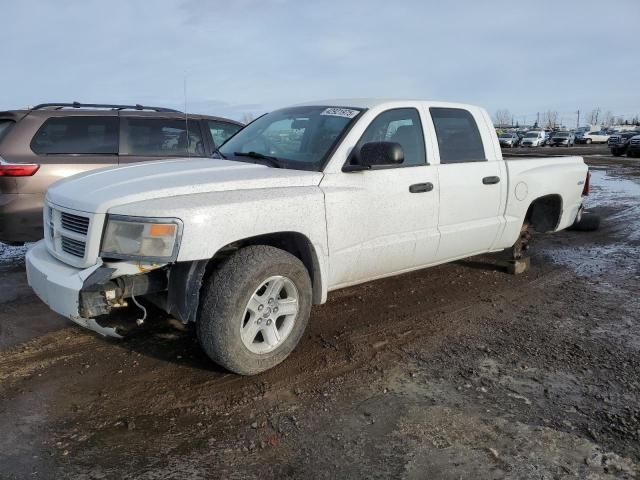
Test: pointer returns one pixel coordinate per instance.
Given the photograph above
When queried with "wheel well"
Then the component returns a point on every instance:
(186, 278)
(544, 213)
(295, 243)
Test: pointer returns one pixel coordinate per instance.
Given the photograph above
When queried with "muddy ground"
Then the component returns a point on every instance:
(459, 371)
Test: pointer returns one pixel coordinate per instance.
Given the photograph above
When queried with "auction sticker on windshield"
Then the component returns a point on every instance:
(340, 112)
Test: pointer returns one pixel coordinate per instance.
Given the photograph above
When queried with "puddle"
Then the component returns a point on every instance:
(620, 198)
(611, 191)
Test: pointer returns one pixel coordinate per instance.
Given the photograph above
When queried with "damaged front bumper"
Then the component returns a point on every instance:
(58, 285)
(82, 294)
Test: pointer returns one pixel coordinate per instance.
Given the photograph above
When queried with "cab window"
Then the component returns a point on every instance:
(458, 136)
(403, 126)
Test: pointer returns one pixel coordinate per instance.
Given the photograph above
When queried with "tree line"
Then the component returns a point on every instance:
(551, 119)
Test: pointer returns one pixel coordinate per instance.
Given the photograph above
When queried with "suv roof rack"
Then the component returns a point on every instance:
(60, 106)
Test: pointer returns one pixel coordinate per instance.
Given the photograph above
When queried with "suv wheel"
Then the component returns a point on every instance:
(255, 309)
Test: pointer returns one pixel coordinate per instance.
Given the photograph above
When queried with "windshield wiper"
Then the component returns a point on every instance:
(273, 161)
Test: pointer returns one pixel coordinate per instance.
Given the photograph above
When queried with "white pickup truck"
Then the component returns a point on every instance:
(302, 201)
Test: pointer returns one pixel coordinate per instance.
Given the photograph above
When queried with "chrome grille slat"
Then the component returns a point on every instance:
(72, 228)
(75, 223)
(72, 247)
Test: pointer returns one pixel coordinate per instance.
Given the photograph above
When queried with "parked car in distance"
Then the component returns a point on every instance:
(634, 147)
(619, 143)
(533, 138)
(51, 141)
(562, 138)
(300, 202)
(594, 137)
(509, 140)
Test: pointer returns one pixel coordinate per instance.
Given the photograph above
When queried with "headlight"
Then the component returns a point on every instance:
(151, 239)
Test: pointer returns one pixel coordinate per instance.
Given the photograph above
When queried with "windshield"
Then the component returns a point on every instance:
(298, 137)
(561, 134)
(5, 127)
(506, 135)
(532, 135)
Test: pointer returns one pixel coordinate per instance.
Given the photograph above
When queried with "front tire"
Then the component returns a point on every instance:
(255, 309)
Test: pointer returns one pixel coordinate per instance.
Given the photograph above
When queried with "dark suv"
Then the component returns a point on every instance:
(51, 141)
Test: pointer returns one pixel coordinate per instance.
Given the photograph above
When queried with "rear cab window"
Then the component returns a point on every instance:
(161, 137)
(458, 136)
(77, 135)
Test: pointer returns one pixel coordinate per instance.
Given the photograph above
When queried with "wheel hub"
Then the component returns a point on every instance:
(270, 315)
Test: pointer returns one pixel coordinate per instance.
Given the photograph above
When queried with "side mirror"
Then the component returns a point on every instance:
(375, 155)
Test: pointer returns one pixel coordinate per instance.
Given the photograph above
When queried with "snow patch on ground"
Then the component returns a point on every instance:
(10, 255)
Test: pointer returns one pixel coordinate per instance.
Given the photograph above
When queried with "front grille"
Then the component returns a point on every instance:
(74, 223)
(72, 247)
(66, 234)
(614, 140)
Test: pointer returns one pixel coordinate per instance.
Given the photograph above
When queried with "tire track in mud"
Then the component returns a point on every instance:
(72, 343)
(447, 323)
(43, 352)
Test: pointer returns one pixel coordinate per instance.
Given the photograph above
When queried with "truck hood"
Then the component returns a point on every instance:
(98, 190)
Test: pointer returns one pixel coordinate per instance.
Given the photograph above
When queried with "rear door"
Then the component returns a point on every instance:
(471, 179)
(146, 137)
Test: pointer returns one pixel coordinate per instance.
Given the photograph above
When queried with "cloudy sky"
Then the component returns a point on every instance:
(250, 56)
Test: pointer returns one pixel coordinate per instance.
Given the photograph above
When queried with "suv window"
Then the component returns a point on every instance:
(458, 135)
(72, 135)
(5, 126)
(403, 126)
(160, 137)
(220, 131)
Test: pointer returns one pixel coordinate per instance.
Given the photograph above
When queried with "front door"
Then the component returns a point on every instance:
(383, 221)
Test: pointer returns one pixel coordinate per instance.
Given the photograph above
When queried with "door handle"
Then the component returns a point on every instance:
(421, 187)
(490, 180)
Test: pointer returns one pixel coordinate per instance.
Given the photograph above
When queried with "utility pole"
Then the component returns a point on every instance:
(537, 119)
(578, 121)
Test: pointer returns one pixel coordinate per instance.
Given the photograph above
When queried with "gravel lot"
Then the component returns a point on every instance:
(459, 371)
